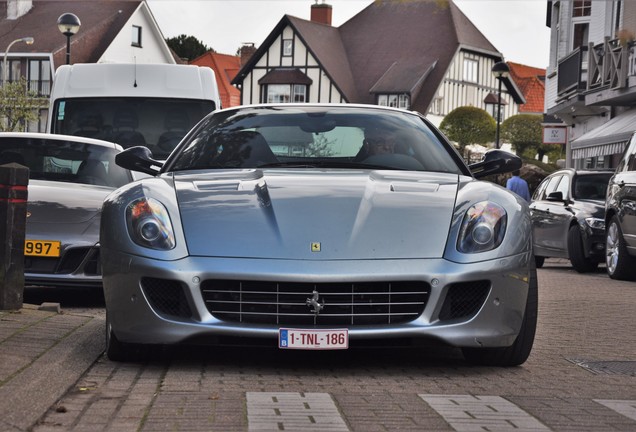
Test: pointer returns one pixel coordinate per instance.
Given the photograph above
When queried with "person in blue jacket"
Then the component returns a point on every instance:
(518, 185)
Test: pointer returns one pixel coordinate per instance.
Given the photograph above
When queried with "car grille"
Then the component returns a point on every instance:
(84, 260)
(166, 297)
(289, 303)
(464, 299)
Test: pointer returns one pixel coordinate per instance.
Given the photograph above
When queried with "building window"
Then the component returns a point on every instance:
(39, 77)
(436, 106)
(581, 35)
(286, 93)
(14, 70)
(470, 72)
(136, 36)
(288, 47)
(582, 8)
(394, 100)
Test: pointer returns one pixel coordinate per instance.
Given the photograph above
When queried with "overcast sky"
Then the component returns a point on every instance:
(515, 27)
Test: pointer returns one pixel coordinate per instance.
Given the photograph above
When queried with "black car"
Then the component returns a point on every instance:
(567, 212)
(620, 218)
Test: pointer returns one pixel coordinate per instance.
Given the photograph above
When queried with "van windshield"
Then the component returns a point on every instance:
(156, 123)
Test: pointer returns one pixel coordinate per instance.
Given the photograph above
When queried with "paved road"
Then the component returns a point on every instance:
(581, 376)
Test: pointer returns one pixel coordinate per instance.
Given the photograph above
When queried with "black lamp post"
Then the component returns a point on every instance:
(500, 70)
(68, 24)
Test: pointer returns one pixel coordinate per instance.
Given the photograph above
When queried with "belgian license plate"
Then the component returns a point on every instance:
(313, 339)
(43, 248)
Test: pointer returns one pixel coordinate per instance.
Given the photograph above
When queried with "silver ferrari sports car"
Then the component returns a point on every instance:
(307, 226)
(69, 177)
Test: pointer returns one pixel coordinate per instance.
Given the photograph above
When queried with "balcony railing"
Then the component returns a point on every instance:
(608, 64)
(572, 72)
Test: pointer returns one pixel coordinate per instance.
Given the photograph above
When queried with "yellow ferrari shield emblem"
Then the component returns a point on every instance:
(315, 247)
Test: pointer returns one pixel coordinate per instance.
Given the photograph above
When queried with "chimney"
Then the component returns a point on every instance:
(17, 8)
(246, 51)
(321, 13)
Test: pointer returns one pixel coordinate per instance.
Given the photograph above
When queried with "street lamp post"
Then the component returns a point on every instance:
(500, 70)
(68, 24)
(5, 76)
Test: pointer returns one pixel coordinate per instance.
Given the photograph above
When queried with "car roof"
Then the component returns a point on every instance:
(60, 137)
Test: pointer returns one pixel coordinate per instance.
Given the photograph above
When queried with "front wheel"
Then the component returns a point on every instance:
(519, 351)
(119, 351)
(580, 262)
(620, 265)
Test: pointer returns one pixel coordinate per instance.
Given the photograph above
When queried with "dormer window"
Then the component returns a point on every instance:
(136, 36)
(394, 100)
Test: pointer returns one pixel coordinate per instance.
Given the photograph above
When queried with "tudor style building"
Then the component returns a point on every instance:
(423, 55)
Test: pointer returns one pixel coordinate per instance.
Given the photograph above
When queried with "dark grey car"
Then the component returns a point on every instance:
(620, 218)
(567, 212)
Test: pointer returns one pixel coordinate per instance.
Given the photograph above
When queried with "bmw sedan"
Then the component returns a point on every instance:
(69, 177)
(568, 210)
(312, 227)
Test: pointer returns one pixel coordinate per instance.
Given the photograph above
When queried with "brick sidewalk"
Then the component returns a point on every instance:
(42, 355)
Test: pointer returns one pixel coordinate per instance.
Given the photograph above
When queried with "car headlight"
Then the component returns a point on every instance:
(149, 224)
(595, 223)
(483, 228)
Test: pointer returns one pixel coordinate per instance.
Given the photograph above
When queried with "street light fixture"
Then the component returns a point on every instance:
(500, 70)
(68, 24)
(5, 76)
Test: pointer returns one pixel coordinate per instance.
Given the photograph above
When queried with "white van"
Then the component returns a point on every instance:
(153, 105)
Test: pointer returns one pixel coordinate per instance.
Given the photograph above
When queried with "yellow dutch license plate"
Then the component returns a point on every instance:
(42, 248)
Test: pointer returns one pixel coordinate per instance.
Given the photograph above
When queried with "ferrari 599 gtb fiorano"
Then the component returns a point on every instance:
(318, 227)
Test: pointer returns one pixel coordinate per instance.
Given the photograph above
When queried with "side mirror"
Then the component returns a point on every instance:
(496, 162)
(555, 196)
(138, 159)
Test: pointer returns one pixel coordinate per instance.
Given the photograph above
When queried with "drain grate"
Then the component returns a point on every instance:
(607, 367)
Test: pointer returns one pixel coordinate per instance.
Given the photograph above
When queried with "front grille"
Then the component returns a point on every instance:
(464, 299)
(287, 303)
(70, 262)
(166, 297)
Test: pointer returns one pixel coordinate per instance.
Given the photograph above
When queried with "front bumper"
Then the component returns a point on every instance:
(136, 318)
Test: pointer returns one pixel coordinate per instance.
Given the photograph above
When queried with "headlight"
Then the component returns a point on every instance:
(483, 228)
(149, 224)
(595, 223)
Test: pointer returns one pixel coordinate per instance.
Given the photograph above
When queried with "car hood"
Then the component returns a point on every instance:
(316, 215)
(63, 203)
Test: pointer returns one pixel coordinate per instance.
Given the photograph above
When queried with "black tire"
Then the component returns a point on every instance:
(518, 352)
(119, 351)
(580, 262)
(538, 261)
(620, 265)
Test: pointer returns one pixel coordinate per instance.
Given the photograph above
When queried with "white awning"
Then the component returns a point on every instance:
(607, 139)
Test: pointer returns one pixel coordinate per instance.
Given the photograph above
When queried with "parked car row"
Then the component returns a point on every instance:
(589, 217)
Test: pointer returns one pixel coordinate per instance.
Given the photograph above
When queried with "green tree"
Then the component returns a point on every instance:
(18, 105)
(187, 47)
(469, 125)
(524, 132)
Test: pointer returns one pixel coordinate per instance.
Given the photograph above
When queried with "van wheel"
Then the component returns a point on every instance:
(519, 351)
(620, 265)
(538, 261)
(580, 262)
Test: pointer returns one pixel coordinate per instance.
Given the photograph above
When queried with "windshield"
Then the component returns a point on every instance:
(315, 136)
(592, 186)
(65, 161)
(158, 124)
